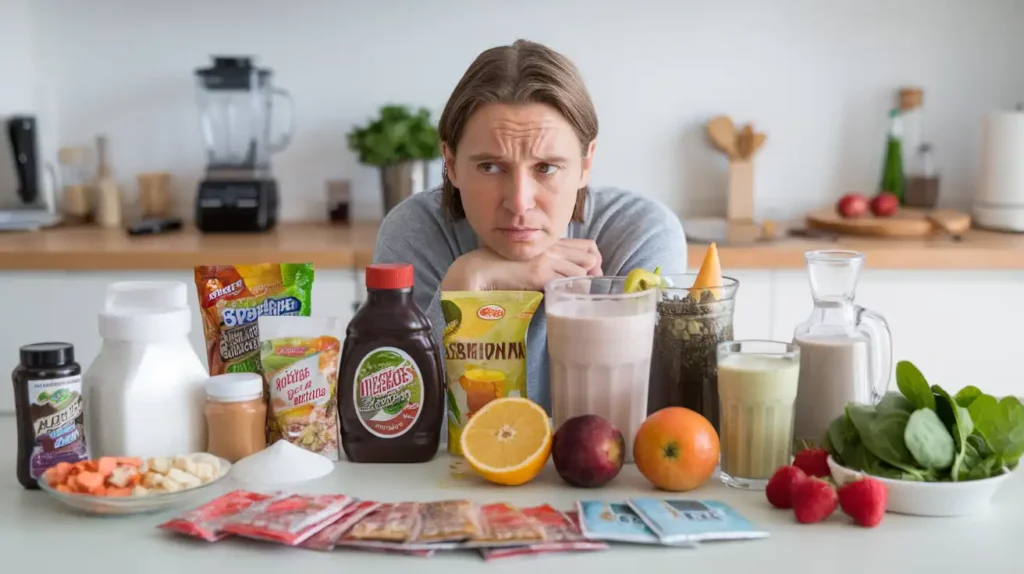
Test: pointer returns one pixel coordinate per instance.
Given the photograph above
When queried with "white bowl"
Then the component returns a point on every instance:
(104, 505)
(929, 498)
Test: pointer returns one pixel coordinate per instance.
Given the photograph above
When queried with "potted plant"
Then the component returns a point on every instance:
(400, 142)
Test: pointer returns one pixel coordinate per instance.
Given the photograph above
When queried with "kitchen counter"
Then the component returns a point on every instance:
(347, 247)
(33, 523)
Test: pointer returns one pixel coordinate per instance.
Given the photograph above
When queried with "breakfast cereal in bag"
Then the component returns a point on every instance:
(484, 350)
(232, 297)
(300, 358)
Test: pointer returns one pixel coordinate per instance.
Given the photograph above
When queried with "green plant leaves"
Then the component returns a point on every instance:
(397, 135)
(928, 440)
(913, 385)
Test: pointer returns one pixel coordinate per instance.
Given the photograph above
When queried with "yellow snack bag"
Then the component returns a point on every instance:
(484, 350)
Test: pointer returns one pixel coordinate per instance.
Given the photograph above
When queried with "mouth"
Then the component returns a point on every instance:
(518, 234)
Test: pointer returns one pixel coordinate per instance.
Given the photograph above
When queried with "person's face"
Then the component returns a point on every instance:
(518, 169)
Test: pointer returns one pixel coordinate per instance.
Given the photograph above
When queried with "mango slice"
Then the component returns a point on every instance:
(710, 275)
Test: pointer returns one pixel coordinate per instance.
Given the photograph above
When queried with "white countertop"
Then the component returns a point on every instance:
(31, 523)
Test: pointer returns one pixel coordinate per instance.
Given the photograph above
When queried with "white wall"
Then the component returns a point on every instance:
(817, 75)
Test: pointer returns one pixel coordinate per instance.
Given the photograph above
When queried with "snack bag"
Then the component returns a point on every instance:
(232, 297)
(484, 350)
(300, 358)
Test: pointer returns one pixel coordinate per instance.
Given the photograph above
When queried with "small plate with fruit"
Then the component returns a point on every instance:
(129, 485)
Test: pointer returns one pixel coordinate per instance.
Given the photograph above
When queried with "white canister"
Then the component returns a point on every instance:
(146, 387)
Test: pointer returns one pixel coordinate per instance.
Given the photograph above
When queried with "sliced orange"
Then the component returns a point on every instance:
(508, 441)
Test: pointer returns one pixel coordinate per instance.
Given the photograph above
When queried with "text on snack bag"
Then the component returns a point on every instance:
(225, 291)
(297, 386)
(235, 316)
(461, 350)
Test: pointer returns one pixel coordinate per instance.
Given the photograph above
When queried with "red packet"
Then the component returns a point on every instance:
(327, 538)
(289, 519)
(506, 525)
(561, 534)
(207, 521)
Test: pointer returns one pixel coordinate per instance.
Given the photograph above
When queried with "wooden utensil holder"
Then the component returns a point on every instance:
(741, 190)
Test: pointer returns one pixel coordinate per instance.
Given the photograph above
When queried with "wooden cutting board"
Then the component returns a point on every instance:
(906, 222)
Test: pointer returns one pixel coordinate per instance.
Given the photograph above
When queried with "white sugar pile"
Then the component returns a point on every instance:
(281, 463)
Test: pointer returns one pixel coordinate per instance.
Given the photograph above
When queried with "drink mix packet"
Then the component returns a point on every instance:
(300, 358)
(681, 520)
(232, 297)
(289, 519)
(561, 534)
(207, 521)
(327, 538)
(615, 522)
(447, 521)
(391, 522)
(505, 525)
(484, 350)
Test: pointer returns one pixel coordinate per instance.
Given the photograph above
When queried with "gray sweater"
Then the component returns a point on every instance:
(630, 231)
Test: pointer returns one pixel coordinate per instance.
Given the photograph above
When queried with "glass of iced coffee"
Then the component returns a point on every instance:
(757, 383)
(599, 349)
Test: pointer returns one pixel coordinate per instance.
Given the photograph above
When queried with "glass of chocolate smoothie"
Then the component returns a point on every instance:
(690, 325)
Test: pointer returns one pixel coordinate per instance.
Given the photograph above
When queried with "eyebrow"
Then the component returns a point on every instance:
(495, 158)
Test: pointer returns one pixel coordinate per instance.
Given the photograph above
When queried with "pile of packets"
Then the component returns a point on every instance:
(325, 522)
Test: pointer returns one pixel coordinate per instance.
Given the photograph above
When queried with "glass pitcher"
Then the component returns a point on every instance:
(845, 349)
(236, 108)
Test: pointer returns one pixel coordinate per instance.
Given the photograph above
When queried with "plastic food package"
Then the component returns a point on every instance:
(289, 519)
(447, 521)
(561, 534)
(506, 525)
(300, 358)
(484, 350)
(233, 297)
(207, 521)
(327, 538)
(393, 522)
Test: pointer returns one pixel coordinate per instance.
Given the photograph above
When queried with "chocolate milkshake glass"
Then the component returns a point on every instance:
(599, 349)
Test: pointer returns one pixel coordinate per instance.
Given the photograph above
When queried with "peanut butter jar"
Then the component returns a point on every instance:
(236, 415)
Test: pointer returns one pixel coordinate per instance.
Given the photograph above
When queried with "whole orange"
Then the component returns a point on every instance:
(676, 449)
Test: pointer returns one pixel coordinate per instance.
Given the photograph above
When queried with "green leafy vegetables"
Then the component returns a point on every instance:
(922, 433)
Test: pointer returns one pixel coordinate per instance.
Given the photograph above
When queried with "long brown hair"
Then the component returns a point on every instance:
(523, 73)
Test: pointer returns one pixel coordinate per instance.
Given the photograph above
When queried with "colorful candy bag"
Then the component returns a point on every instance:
(232, 297)
(484, 350)
(300, 358)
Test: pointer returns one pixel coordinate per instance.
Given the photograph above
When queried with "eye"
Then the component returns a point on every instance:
(547, 169)
(488, 167)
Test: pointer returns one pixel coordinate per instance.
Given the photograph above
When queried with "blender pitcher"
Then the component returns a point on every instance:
(845, 349)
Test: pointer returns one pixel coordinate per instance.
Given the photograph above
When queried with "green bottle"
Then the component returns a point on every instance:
(892, 171)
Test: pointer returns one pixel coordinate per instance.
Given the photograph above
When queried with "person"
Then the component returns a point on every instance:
(518, 136)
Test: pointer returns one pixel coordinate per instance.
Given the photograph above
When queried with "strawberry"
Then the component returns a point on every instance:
(813, 461)
(864, 500)
(780, 486)
(814, 500)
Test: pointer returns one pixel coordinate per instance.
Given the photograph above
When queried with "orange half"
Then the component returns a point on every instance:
(508, 441)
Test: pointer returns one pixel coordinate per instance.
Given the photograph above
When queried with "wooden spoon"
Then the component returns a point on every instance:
(758, 142)
(723, 135)
(745, 142)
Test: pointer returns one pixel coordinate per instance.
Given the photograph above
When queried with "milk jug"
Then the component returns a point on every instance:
(145, 389)
(845, 349)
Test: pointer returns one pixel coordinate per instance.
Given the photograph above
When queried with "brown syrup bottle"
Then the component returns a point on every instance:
(390, 381)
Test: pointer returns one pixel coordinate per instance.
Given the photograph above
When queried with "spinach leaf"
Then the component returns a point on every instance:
(835, 439)
(914, 386)
(882, 435)
(928, 440)
(1001, 424)
(967, 395)
(958, 421)
(894, 401)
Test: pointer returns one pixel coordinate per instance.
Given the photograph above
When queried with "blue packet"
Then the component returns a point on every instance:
(614, 522)
(681, 520)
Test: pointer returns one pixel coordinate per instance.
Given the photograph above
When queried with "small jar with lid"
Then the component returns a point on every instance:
(236, 415)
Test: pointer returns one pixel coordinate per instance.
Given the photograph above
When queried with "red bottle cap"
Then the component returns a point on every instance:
(389, 276)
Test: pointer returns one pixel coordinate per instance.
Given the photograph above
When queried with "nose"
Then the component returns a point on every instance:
(520, 193)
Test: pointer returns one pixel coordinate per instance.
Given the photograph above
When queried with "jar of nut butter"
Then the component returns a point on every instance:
(236, 415)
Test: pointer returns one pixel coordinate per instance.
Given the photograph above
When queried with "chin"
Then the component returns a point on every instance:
(517, 250)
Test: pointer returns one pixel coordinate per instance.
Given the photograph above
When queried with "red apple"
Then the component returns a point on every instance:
(587, 451)
(852, 205)
(885, 204)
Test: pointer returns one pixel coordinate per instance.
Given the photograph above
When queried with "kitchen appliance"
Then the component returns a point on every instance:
(33, 206)
(999, 203)
(239, 192)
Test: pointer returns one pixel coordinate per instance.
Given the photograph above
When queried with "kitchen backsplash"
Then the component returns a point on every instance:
(817, 77)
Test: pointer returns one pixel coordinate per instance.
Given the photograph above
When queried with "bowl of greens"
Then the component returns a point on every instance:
(938, 454)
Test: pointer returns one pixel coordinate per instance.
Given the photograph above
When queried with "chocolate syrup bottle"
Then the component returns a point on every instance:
(390, 381)
(49, 408)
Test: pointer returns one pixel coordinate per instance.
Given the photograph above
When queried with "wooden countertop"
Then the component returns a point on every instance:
(327, 246)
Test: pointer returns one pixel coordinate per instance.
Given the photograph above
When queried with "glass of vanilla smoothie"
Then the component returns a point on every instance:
(757, 383)
(599, 351)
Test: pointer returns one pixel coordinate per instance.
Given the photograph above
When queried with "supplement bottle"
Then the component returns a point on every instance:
(49, 407)
(236, 415)
(390, 381)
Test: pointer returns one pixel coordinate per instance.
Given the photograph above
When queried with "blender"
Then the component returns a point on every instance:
(239, 192)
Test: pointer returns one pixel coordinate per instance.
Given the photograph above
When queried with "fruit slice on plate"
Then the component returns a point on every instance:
(508, 441)
(639, 280)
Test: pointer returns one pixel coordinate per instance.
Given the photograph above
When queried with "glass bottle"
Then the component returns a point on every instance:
(923, 179)
(845, 349)
(892, 170)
